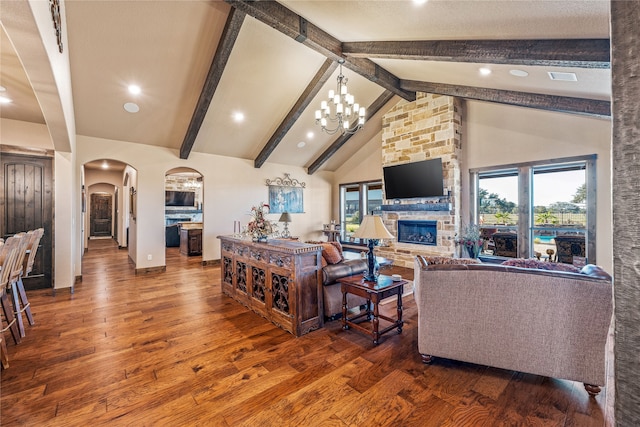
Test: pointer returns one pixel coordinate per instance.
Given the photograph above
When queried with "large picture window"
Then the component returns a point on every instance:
(539, 209)
(356, 200)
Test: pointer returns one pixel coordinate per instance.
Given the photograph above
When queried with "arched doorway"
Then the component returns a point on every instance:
(105, 213)
(184, 203)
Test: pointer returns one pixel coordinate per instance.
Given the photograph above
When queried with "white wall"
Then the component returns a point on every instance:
(231, 186)
(498, 134)
(16, 133)
(64, 221)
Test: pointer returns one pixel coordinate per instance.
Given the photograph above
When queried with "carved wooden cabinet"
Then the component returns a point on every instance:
(280, 280)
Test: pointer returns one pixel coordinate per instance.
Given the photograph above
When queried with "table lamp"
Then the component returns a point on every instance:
(286, 218)
(372, 228)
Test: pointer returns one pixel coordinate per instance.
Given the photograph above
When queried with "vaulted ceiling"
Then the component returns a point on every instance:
(200, 62)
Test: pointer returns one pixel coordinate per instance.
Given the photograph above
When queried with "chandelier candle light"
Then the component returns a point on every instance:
(341, 110)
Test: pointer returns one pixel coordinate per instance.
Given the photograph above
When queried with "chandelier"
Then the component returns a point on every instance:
(340, 113)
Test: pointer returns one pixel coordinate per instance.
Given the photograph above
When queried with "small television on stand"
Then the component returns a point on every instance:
(414, 180)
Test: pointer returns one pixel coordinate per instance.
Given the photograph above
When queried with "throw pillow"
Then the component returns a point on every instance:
(541, 265)
(331, 253)
(434, 260)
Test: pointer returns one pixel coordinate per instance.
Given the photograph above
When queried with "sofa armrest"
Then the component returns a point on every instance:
(333, 272)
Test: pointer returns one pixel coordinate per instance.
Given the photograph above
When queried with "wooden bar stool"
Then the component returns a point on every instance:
(23, 304)
(8, 257)
(15, 284)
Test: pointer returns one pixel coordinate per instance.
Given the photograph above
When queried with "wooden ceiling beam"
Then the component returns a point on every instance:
(295, 26)
(581, 53)
(338, 143)
(564, 104)
(321, 77)
(219, 62)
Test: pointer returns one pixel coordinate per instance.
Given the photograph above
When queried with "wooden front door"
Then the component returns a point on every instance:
(26, 203)
(101, 218)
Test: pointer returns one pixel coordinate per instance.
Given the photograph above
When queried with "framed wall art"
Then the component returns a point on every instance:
(285, 195)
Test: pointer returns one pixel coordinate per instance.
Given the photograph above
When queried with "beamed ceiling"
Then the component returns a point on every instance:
(200, 62)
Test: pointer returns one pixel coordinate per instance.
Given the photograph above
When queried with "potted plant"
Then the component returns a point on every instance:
(471, 240)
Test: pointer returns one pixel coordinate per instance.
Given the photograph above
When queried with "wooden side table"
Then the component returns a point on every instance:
(374, 292)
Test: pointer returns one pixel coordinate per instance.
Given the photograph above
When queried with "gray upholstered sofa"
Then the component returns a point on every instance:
(549, 323)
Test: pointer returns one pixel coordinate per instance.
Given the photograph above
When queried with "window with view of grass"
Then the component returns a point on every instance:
(358, 199)
(531, 204)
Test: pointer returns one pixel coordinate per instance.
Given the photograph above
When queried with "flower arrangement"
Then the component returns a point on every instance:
(471, 240)
(260, 227)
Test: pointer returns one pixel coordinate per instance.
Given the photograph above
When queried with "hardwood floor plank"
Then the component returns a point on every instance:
(170, 349)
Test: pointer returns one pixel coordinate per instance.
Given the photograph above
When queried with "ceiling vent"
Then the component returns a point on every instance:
(565, 77)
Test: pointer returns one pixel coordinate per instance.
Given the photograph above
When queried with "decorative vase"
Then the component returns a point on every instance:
(260, 238)
(474, 251)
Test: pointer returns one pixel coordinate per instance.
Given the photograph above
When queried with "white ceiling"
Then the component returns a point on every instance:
(167, 47)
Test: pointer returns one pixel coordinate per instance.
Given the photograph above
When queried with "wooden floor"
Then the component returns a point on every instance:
(170, 349)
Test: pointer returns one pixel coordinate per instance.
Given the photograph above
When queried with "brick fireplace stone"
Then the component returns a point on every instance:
(429, 127)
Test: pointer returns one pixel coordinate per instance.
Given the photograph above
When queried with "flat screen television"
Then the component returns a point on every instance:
(179, 198)
(413, 180)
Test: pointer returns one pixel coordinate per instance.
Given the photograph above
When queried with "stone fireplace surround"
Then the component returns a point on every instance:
(428, 127)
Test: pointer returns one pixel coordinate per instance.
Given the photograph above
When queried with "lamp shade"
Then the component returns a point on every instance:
(285, 217)
(372, 227)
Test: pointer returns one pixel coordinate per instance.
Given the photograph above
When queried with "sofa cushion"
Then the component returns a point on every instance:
(541, 265)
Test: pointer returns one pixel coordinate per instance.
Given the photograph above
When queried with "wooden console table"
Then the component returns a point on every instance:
(280, 280)
(374, 292)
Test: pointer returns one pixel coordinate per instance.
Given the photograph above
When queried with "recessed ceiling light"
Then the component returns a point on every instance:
(131, 107)
(518, 73)
(301, 144)
(5, 100)
(135, 89)
(485, 71)
(105, 165)
(309, 135)
(238, 117)
(419, 2)
(2, 88)
(567, 77)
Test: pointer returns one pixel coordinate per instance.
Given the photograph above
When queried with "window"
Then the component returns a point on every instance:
(355, 199)
(533, 209)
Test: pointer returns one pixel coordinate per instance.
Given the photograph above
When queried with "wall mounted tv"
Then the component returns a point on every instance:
(413, 180)
(179, 198)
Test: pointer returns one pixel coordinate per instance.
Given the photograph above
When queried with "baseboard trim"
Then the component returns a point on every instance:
(146, 270)
(211, 263)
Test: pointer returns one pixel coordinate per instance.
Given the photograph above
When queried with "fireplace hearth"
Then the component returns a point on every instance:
(418, 232)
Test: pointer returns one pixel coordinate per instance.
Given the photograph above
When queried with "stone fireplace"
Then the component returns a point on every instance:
(429, 127)
(417, 232)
